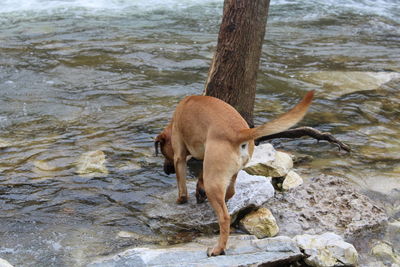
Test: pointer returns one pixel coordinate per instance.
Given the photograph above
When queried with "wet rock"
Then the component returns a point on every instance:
(141, 237)
(292, 180)
(4, 263)
(165, 215)
(243, 250)
(326, 250)
(324, 204)
(92, 164)
(129, 166)
(337, 83)
(299, 158)
(268, 162)
(386, 253)
(260, 223)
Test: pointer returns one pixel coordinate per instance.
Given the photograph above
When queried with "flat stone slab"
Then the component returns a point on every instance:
(243, 250)
(165, 215)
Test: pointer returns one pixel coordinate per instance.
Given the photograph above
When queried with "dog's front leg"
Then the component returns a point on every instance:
(180, 167)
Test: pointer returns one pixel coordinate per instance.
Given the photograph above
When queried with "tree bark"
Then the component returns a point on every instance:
(232, 76)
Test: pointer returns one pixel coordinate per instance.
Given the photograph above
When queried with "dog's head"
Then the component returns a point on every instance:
(163, 140)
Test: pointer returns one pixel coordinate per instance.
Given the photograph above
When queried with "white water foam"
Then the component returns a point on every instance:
(385, 8)
(7, 6)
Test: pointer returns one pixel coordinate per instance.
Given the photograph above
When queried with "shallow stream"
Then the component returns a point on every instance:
(80, 76)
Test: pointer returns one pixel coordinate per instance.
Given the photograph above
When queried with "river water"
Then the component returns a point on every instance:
(80, 76)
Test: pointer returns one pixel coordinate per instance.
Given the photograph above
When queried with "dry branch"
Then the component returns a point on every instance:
(306, 131)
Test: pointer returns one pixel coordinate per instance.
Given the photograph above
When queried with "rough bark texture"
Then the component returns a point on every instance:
(233, 72)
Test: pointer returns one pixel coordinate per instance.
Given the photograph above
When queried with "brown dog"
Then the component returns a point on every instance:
(211, 130)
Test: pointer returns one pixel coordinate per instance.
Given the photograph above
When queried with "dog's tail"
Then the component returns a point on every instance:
(279, 124)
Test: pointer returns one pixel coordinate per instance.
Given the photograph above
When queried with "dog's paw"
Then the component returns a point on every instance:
(212, 252)
(182, 200)
(200, 195)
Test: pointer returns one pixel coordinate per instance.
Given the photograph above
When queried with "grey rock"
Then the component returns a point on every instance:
(165, 215)
(394, 227)
(324, 204)
(243, 250)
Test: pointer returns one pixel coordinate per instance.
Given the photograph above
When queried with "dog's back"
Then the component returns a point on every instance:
(201, 118)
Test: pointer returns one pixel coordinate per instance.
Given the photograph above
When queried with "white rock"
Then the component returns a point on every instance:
(91, 163)
(292, 180)
(326, 250)
(4, 263)
(386, 252)
(260, 223)
(262, 153)
(268, 162)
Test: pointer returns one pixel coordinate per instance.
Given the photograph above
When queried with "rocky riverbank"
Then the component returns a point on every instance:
(315, 221)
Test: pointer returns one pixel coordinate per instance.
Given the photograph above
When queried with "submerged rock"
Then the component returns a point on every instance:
(243, 250)
(260, 223)
(268, 162)
(165, 215)
(43, 169)
(4, 143)
(327, 250)
(91, 164)
(292, 180)
(43, 165)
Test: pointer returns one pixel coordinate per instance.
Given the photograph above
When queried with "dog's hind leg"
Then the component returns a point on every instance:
(219, 166)
(230, 191)
(216, 197)
(200, 191)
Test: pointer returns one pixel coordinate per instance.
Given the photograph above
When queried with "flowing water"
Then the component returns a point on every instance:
(80, 76)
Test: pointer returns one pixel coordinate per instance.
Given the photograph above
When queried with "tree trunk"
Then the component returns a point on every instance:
(233, 73)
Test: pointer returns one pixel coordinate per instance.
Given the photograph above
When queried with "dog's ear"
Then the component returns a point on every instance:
(159, 141)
